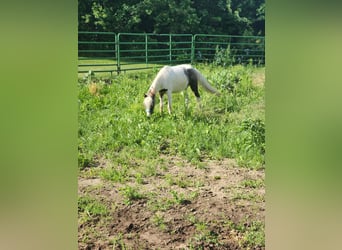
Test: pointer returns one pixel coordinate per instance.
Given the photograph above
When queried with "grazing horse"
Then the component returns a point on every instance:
(174, 79)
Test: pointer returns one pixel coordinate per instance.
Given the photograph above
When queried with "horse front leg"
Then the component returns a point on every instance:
(169, 102)
(161, 103)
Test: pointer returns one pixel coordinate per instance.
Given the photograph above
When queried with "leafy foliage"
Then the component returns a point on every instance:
(256, 131)
(223, 57)
(164, 16)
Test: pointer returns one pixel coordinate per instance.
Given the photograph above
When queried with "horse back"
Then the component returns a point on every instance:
(174, 78)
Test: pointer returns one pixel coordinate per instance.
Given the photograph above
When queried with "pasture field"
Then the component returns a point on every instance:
(190, 180)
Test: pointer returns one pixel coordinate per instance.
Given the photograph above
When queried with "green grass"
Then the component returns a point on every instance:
(250, 183)
(90, 209)
(253, 234)
(131, 193)
(113, 125)
(159, 220)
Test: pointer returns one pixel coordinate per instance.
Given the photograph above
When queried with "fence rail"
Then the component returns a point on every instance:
(117, 52)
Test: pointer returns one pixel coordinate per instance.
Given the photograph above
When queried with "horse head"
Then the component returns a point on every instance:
(149, 104)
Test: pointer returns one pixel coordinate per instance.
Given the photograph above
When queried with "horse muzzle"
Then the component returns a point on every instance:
(148, 113)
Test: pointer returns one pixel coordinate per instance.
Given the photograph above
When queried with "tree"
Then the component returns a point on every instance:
(158, 16)
(233, 17)
(254, 11)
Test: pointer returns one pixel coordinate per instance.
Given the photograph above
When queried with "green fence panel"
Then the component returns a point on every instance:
(111, 52)
(144, 50)
(242, 49)
(97, 51)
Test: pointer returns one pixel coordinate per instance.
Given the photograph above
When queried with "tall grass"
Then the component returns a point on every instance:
(113, 125)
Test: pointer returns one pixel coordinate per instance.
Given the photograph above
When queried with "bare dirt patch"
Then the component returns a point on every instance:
(214, 205)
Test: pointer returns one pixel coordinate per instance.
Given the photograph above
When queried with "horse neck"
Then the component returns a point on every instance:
(155, 87)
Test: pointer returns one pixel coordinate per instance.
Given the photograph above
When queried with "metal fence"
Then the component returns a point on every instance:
(117, 52)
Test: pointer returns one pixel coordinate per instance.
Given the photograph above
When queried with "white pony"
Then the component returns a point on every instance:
(174, 79)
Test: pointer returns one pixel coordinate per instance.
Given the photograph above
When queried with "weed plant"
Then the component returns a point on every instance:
(90, 209)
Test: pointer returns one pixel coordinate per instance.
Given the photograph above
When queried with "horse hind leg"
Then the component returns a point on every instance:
(194, 87)
(199, 103)
(186, 99)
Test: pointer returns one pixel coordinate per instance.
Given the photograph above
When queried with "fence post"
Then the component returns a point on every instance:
(116, 51)
(118, 54)
(146, 50)
(193, 48)
(170, 48)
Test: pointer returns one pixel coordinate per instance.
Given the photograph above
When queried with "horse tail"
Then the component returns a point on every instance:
(205, 84)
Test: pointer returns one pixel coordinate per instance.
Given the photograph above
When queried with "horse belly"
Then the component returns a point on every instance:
(178, 83)
(179, 87)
